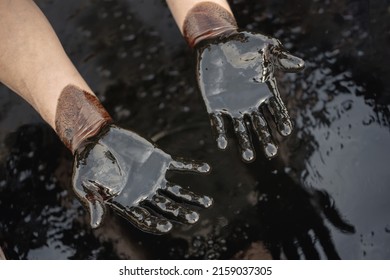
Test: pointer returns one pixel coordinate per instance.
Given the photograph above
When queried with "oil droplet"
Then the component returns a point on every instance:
(192, 217)
(270, 150)
(222, 142)
(164, 226)
(248, 155)
(285, 128)
(206, 201)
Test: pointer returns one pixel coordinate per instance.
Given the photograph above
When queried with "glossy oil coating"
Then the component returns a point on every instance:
(79, 116)
(334, 165)
(236, 79)
(120, 169)
(208, 20)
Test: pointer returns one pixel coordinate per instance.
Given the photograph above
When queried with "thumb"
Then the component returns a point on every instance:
(88, 194)
(288, 62)
(97, 211)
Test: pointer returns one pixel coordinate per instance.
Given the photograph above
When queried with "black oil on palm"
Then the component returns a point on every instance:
(324, 196)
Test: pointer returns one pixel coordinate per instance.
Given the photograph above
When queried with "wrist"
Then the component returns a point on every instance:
(79, 116)
(208, 20)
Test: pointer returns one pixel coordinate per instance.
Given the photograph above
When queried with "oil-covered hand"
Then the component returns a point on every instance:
(120, 169)
(236, 78)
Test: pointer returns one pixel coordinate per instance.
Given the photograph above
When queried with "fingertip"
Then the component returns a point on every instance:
(206, 201)
(95, 224)
(285, 128)
(291, 63)
(300, 63)
(248, 155)
(222, 142)
(96, 211)
(204, 168)
(270, 150)
(191, 166)
(217, 123)
(164, 226)
(192, 217)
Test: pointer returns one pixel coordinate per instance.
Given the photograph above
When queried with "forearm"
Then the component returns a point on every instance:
(34, 65)
(32, 60)
(199, 19)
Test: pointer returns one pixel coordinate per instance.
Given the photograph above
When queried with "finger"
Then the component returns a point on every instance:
(172, 210)
(187, 196)
(281, 117)
(192, 166)
(288, 62)
(261, 128)
(278, 110)
(290, 250)
(142, 219)
(308, 247)
(96, 212)
(218, 126)
(247, 151)
(92, 199)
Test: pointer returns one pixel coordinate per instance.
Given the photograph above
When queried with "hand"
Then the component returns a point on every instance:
(236, 79)
(120, 169)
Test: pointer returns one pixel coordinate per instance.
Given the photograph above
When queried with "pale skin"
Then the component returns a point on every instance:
(33, 62)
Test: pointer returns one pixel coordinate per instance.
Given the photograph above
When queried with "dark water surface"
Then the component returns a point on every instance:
(327, 193)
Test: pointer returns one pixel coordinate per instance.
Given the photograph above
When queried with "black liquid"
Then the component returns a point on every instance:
(123, 170)
(236, 77)
(141, 68)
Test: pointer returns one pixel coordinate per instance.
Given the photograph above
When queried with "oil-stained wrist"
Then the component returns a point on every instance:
(208, 20)
(79, 116)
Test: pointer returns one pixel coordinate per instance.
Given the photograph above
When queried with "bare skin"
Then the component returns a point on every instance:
(34, 64)
(2, 257)
(235, 73)
(180, 9)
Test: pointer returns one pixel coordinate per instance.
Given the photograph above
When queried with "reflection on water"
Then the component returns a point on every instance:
(324, 196)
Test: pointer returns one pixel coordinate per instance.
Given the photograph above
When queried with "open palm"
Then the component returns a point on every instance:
(127, 173)
(236, 79)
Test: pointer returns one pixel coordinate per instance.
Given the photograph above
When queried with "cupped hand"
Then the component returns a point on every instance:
(120, 169)
(236, 79)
